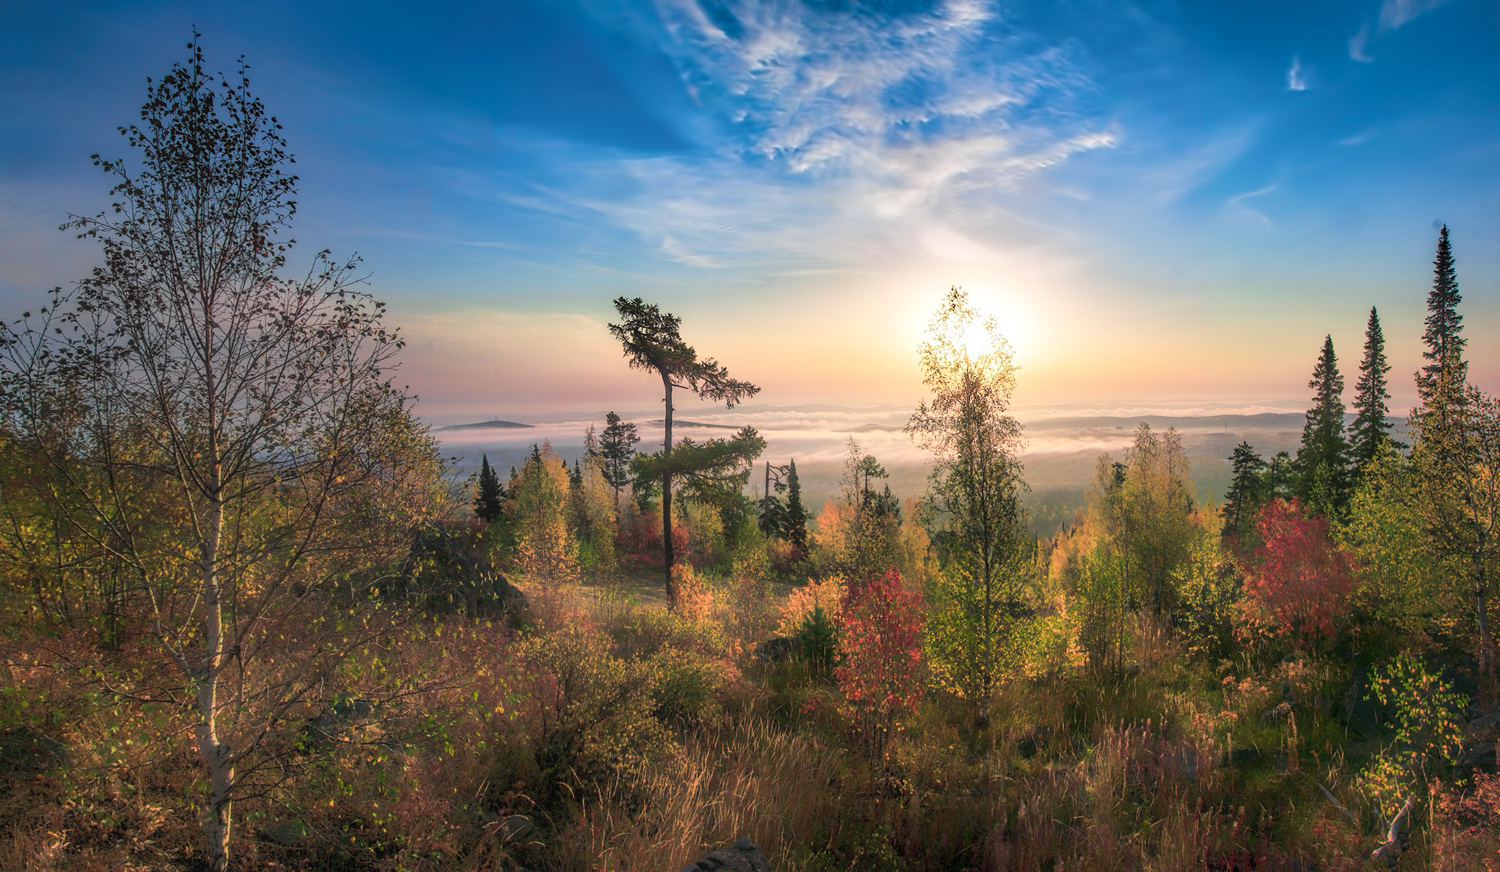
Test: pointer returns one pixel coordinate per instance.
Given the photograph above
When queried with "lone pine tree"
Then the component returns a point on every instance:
(652, 341)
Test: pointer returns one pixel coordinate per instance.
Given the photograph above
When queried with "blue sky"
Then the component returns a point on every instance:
(1163, 203)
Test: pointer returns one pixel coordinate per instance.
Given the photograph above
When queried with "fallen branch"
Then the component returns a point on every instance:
(1395, 839)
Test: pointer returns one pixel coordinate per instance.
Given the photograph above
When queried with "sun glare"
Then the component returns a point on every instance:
(976, 339)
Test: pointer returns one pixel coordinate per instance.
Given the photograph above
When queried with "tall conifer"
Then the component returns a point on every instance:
(1244, 498)
(1370, 429)
(1443, 336)
(796, 515)
(490, 495)
(617, 446)
(1323, 456)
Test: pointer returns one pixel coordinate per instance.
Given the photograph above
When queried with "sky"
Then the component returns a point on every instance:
(1165, 204)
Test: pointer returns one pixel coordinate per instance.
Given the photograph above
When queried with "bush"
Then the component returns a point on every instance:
(591, 713)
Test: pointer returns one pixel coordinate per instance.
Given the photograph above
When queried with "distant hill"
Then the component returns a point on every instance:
(487, 425)
(660, 422)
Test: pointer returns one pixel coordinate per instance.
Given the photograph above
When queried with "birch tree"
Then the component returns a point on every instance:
(250, 406)
(974, 495)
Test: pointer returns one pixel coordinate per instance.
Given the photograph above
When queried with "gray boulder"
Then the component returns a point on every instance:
(742, 856)
(778, 649)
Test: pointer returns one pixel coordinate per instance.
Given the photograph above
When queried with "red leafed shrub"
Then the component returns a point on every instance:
(1300, 580)
(880, 631)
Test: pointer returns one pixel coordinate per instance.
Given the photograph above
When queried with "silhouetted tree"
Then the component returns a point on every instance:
(490, 495)
(651, 341)
(1323, 457)
(1244, 499)
(796, 513)
(1370, 429)
(1440, 382)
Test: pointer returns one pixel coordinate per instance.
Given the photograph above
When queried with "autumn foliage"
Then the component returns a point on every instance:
(881, 641)
(1300, 581)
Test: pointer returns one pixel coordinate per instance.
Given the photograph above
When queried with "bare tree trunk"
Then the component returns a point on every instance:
(1486, 654)
(215, 755)
(666, 495)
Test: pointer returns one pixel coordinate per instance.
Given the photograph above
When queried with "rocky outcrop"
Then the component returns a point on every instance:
(742, 856)
(448, 573)
(777, 649)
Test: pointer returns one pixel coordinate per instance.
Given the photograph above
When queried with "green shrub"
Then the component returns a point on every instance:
(687, 687)
(819, 641)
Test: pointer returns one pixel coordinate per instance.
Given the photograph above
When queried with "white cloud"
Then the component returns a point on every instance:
(1359, 44)
(1238, 202)
(908, 108)
(1395, 14)
(1295, 79)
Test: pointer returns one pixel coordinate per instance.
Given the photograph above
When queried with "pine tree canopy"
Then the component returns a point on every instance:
(1443, 336)
(1371, 428)
(796, 514)
(1323, 457)
(490, 495)
(1245, 489)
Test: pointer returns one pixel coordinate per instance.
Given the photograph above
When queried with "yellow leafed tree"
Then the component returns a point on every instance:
(546, 551)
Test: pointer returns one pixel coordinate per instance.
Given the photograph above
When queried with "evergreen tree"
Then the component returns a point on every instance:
(652, 341)
(1280, 478)
(1445, 345)
(1244, 499)
(1323, 457)
(617, 446)
(490, 495)
(796, 514)
(1370, 426)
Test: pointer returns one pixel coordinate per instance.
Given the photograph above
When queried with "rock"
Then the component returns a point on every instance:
(1242, 756)
(515, 828)
(778, 649)
(446, 572)
(742, 856)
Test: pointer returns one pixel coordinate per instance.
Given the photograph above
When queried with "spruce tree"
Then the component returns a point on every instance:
(617, 446)
(1244, 497)
(1370, 429)
(1443, 336)
(1323, 457)
(1280, 479)
(489, 496)
(796, 515)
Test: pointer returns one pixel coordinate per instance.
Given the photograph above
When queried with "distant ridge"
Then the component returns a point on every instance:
(486, 425)
(661, 422)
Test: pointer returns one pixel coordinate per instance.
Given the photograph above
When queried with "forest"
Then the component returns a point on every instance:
(251, 619)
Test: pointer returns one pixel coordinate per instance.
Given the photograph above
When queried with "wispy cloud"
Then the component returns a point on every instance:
(1359, 44)
(909, 108)
(1238, 202)
(1295, 78)
(1395, 14)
